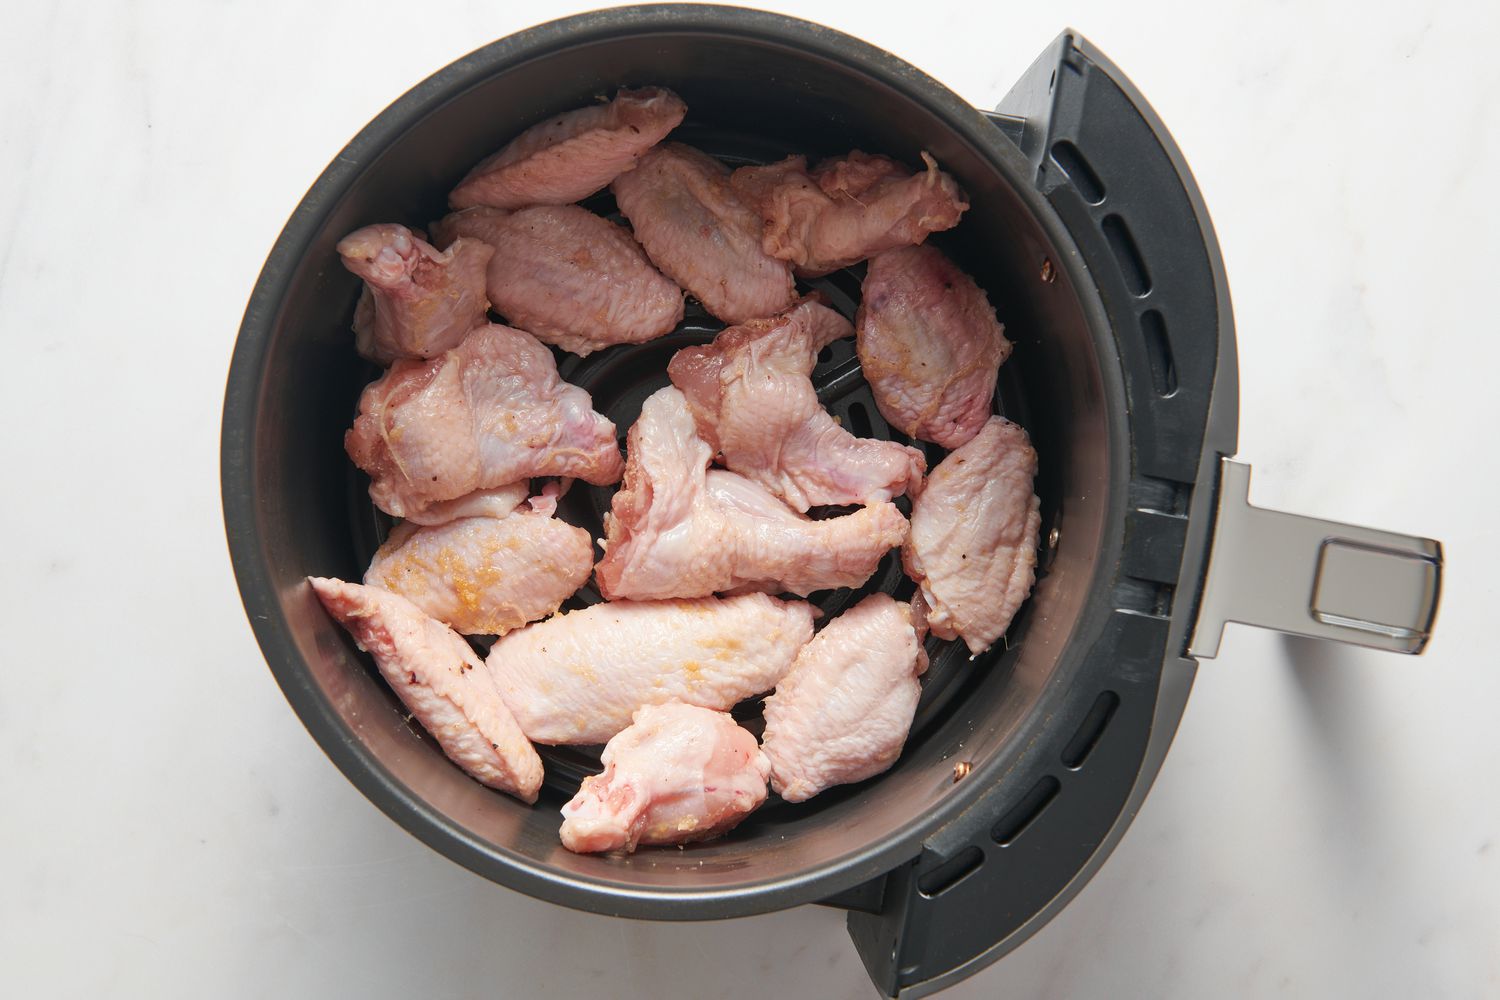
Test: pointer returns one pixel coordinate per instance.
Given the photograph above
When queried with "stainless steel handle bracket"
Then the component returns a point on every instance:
(1312, 577)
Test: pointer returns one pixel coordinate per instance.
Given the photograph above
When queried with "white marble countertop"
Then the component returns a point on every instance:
(1324, 826)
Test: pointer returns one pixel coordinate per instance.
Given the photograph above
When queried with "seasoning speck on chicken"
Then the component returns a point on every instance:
(486, 575)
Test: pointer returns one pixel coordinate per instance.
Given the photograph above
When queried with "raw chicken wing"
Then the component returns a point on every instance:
(929, 344)
(702, 236)
(847, 209)
(578, 677)
(486, 575)
(417, 302)
(676, 529)
(438, 677)
(677, 774)
(754, 403)
(841, 714)
(572, 155)
(488, 413)
(972, 549)
(569, 277)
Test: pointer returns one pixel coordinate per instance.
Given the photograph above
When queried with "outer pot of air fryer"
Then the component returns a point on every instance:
(1024, 766)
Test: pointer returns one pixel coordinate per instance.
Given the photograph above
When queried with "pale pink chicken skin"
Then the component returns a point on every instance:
(440, 680)
(701, 235)
(574, 154)
(486, 575)
(568, 277)
(678, 774)
(842, 713)
(579, 676)
(490, 412)
(417, 302)
(972, 549)
(753, 401)
(847, 209)
(496, 502)
(677, 529)
(929, 344)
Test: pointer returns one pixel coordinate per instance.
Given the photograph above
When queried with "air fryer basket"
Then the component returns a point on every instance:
(821, 106)
(1089, 236)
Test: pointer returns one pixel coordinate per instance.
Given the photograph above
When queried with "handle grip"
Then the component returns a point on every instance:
(1312, 577)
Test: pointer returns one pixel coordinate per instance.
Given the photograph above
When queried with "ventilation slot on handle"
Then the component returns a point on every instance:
(1090, 730)
(1128, 255)
(1159, 353)
(951, 872)
(1067, 156)
(1025, 812)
